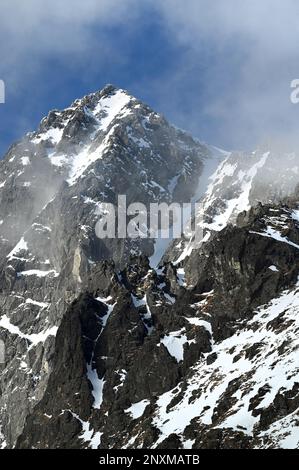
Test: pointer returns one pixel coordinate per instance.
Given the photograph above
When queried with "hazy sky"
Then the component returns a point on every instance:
(220, 69)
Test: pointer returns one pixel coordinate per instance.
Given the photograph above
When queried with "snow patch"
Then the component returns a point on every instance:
(137, 409)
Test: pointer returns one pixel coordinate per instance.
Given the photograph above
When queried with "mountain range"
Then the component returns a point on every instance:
(146, 343)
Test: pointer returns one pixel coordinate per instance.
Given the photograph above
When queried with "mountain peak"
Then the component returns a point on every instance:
(93, 126)
(110, 89)
(107, 138)
(92, 98)
(189, 313)
(94, 105)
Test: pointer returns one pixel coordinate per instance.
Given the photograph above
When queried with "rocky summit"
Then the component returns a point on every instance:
(143, 342)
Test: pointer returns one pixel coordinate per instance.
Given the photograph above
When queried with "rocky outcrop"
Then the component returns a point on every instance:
(212, 348)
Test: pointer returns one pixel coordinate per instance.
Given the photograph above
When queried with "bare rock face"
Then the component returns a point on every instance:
(244, 266)
(179, 366)
(108, 348)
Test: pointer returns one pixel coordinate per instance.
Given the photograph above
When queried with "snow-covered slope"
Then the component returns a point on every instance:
(251, 369)
(241, 181)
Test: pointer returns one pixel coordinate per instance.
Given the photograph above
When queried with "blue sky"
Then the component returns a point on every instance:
(222, 71)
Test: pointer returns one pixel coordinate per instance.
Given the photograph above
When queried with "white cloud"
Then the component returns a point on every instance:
(254, 40)
(243, 90)
(33, 30)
